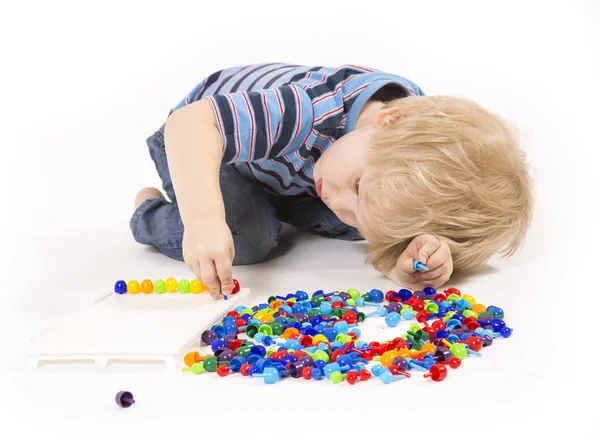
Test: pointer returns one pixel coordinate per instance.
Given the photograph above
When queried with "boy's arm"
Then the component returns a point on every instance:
(192, 137)
(194, 151)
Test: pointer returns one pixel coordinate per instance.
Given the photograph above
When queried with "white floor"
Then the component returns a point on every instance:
(73, 165)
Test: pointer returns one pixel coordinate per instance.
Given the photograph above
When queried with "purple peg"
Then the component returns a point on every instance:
(124, 399)
(209, 336)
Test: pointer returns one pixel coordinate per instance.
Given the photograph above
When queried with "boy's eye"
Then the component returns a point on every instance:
(357, 184)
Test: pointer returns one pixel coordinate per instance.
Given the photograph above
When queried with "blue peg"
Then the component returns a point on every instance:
(472, 352)
(392, 319)
(411, 364)
(380, 311)
(361, 302)
(387, 378)
(325, 308)
(334, 367)
(270, 375)
(418, 265)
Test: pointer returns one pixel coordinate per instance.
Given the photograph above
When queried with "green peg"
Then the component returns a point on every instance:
(251, 330)
(317, 299)
(448, 316)
(184, 286)
(456, 349)
(320, 355)
(278, 328)
(470, 313)
(211, 363)
(453, 296)
(354, 293)
(196, 369)
(265, 329)
(159, 286)
(336, 377)
(432, 308)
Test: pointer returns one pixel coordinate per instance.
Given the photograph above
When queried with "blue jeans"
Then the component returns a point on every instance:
(253, 215)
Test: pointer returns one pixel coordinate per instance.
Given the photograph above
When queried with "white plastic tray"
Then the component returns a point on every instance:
(132, 327)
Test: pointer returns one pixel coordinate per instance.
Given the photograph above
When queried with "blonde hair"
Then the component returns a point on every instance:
(447, 167)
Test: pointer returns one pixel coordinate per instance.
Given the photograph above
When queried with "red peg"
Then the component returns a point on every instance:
(367, 354)
(474, 343)
(244, 369)
(236, 287)
(437, 372)
(306, 340)
(453, 362)
(392, 296)
(365, 375)
(395, 370)
(239, 323)
(439, 297)
(235, 344)
(306, 372)
(452, 290)
(352, 377)
(419, 305)
(353, 335)
(438, 325)
(421, 316)
(299, 354)
(337, 304)
(400, 343)
(430, 330)
(335, 354)
(233, 314)
(350, 317)
(223, 370)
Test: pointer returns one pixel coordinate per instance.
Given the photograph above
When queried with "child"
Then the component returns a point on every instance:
(350, 153)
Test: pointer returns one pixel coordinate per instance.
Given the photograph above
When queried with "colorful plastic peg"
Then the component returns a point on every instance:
(380, 311)
(147, 286)
(124, 399)
(437, 372)
(120, 287)
(159, 286)
(196, 368)
(270, 375)
(453, 362)
(392, 319)
(418, 265)
(387, 378)
(183, 286)
(456, 349)
(133, 287)
(171, 285)
(236, 287)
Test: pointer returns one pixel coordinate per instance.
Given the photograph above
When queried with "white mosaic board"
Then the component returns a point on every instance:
(132, 327)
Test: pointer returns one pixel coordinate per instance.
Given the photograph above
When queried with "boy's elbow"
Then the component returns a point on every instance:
(195, 114)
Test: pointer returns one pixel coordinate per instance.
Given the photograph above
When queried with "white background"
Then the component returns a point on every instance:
(84, 83)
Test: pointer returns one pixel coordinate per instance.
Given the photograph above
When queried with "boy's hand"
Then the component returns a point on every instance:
(208, 251)
(434, 254)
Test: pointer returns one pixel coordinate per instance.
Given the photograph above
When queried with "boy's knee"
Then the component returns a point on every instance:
(255, 241)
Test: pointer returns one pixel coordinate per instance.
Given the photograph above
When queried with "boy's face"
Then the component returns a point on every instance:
(338, 173)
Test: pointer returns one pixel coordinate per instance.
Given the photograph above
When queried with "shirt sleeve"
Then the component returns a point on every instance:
(262, 124)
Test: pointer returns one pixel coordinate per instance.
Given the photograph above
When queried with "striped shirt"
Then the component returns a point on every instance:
(276, 119)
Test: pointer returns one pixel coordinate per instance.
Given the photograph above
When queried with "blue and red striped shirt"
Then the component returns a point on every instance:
(276, 119)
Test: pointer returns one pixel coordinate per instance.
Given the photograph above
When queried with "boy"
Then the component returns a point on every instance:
(350, 153)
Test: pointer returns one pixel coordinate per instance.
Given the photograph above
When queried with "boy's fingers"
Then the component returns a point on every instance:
(438, 258)
(209, 276)
(194, 266)
(224, 270)
(444, 270)
(427, 245)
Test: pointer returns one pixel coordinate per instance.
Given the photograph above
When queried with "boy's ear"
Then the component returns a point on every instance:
(389, 116)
